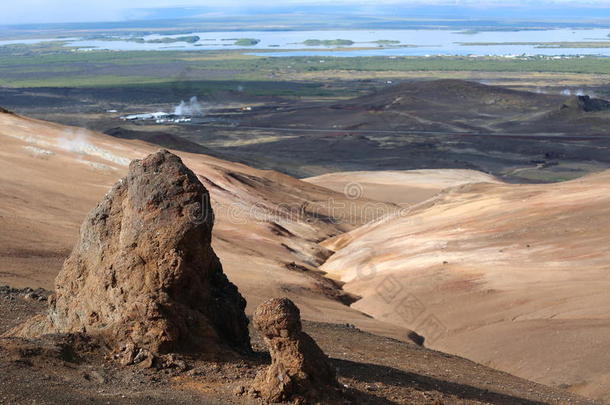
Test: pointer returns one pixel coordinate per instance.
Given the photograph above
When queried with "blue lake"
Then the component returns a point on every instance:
(426, 42)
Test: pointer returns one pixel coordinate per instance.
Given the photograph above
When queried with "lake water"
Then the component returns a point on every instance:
(427, 42)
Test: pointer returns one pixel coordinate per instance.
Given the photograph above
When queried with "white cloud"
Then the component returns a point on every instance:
(24, 11)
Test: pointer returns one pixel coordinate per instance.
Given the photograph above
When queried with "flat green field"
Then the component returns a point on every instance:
(52, 65)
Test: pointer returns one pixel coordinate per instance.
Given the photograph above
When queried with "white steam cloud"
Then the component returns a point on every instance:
(191, 107)
(577, 92)
(75, 141)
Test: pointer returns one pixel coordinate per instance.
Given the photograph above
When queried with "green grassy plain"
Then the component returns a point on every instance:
(328, 42)
(51, 64)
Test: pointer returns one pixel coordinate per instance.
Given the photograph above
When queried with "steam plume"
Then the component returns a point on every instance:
(191, 107)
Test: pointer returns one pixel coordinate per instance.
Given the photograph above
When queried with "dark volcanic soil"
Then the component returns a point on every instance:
(160, 138)
(373, 370)
(518, 136)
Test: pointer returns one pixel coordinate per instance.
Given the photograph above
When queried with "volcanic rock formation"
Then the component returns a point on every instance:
(589, 104)
(585, 104)
(300, 371)
(143, 275)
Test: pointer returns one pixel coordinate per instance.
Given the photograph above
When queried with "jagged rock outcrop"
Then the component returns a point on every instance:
(586, 104)
(300, 371)
(589, 104)
(143, 274)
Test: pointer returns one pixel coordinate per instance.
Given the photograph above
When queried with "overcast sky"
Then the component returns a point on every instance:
(36, 11)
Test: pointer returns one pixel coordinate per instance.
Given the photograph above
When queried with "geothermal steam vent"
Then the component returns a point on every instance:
(143, 274)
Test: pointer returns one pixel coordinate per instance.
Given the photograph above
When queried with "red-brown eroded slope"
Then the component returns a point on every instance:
(512, 276)
(402, 187)
(267, 224)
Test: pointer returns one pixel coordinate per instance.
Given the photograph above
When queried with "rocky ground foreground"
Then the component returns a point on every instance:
(372, 370)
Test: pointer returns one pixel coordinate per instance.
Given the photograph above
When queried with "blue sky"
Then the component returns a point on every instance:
(39, 11)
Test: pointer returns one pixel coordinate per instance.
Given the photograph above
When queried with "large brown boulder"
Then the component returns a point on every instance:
(143, 274)
(300, 371)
